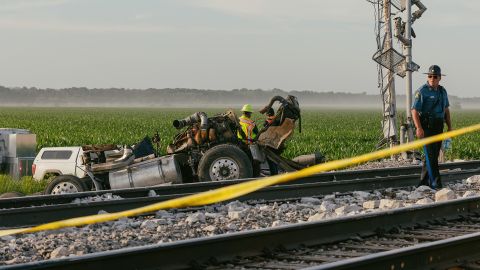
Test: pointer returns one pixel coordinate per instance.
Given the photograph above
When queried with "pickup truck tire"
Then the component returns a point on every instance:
(64, 184)
(224, 162)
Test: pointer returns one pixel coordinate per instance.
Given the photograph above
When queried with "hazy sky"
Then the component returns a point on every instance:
(315, 45)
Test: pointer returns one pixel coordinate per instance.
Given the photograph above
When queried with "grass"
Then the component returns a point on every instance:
(25, 185)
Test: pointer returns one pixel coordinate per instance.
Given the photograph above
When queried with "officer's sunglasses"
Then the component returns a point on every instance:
(433, 76)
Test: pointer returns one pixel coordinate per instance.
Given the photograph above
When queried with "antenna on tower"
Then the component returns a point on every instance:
(390, 62)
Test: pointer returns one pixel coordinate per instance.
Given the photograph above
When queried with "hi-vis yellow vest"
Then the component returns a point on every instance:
(247, 126)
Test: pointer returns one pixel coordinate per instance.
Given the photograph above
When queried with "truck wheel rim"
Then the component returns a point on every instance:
(64, 188)
(224, 169)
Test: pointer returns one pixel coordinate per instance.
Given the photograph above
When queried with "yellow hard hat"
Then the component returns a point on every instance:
(247, 108)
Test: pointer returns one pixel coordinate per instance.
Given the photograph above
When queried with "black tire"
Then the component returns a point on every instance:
(224, 162)
(64, 184)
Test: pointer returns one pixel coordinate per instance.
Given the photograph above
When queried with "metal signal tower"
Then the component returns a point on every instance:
(391, 62)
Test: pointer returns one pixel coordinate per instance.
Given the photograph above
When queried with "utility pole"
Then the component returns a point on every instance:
(390, 111)
(394, 62)
(410, 66)
(386, 76)
(404, 33)
(408, 69)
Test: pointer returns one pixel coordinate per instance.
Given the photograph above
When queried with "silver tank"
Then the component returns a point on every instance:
(147, 173)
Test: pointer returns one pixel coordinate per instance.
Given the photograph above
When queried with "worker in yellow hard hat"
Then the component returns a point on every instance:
(248, 129)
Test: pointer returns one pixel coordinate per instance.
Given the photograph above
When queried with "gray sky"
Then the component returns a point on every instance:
(314, 45)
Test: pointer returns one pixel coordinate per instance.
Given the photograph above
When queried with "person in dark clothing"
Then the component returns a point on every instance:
(430, 111)
(270, 121)
(270, 118)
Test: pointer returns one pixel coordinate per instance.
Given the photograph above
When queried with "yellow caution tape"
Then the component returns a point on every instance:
(234, 191)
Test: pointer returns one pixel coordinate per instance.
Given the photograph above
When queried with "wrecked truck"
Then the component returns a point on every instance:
(205, 149)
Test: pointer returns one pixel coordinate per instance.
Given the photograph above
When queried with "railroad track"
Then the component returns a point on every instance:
(30, 201)
(334, 255)
(33, 214)
(434, 236)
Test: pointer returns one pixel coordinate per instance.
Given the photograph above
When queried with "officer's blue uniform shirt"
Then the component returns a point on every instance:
(430, 100)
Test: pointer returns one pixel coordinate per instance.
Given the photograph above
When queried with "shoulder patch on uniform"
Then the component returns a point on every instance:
(417, 95)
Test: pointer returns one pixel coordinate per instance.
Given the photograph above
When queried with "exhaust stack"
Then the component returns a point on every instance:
(192, 119)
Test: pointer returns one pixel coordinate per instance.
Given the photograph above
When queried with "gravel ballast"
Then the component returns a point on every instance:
(168, 226)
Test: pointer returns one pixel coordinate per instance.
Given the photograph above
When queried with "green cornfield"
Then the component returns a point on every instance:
(335, 133)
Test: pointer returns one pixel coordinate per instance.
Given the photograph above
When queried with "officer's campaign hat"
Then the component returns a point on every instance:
(434, 70)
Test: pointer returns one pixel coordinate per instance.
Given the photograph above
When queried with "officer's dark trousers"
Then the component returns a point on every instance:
(432, 127)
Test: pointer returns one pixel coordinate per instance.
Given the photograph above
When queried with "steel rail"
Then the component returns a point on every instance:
(28, 216)
(442, 254)
(29, 201)
(187, 253)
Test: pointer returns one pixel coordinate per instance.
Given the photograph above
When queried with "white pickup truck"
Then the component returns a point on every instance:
(59, 161)
(99, 167)
(66, 164)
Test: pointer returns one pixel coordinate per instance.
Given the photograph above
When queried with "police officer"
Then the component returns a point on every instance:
(430, 111)
(248, 129)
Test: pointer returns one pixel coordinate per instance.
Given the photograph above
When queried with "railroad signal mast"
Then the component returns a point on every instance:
(396, 13)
